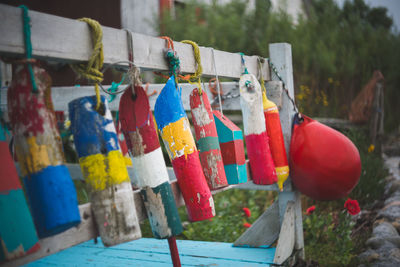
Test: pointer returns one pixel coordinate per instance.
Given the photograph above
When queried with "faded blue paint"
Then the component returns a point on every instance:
(208, 143)
(16, 225)
(169, 107)
(236, 174)
(225, 134)
(150, 252)
(53, 201)
(2, 133)
(170, 210)
(89, 127)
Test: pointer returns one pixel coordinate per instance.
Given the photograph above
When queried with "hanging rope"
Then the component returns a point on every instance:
(91, 69)
(260, 61)
(28, 44)
(245, 71)
(195, 78)
(217, 81)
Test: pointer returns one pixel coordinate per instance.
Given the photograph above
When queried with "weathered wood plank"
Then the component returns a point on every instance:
(287, 236)
(264, 231)
(67, 40)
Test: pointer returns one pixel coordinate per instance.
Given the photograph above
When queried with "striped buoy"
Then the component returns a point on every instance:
(104, 170)
(122, 143)
(50, 190)
(207, 140)
(276, 141)
(17, 232)
(261, 163)
(232, 149)
(150, 171)
(178, 140)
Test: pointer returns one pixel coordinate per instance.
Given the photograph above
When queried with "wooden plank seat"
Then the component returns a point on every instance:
(154, 252)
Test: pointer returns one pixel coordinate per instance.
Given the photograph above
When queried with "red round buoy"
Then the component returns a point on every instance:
(324, 164)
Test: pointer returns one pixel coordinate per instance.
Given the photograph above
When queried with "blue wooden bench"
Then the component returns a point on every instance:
(66, 40)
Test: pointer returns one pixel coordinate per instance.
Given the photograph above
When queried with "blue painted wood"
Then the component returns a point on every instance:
(153, 252)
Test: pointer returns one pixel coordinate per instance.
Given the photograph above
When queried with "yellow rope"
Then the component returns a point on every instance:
(91, 69)
(195, 78)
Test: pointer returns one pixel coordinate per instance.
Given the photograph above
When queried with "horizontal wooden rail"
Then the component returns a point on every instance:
(61, 96)
(68, 40)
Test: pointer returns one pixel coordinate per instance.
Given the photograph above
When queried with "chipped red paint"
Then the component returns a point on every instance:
(204, 126)
(195, 191)
(261, 163)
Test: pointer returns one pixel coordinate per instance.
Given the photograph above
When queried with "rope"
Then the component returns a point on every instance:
(260, 61)
(245, 71)
(28, 44)
(217, 82)
(195, 78)
(91, 69)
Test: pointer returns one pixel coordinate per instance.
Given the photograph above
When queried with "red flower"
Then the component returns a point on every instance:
(247, 225)
(352, 206)
(310, 210)
(247, 212)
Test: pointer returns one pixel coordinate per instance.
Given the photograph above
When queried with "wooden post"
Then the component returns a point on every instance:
(104, 170)
(49, 187)
(17, 232)
(281, 57)
(232, 149)
(258, 151)
(178, 140)
(207, 140)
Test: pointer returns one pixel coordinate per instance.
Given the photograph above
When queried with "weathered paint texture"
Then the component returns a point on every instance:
(261, 163)
(276, 141)
(175, 132)
(150, 171)
(123, 145)
(232, 149)
(104, 169)
(207, 139)
(49, 187)
(17, 232)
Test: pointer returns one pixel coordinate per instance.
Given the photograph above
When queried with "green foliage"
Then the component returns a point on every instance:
(327, 238)
(335, 50)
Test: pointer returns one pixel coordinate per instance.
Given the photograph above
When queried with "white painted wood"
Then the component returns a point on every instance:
(274, 92)
(264, 231)
(5, 74)
(68, 40)
(140, 16)
(149, 169)
(299, 238)
(281, 58)
(286, 239)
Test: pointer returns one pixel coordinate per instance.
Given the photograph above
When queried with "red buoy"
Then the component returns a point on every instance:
(324, 164)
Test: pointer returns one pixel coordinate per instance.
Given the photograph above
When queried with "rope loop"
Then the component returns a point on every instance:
(28, 44)
(91, 69)
(196, 77)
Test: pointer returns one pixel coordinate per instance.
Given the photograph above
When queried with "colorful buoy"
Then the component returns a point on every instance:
(150, 171)
(232, 149)
(17, 232)
(104, 169)
(258, 151)
(207, 140)
(178, 140)
(50, 190)
(276, 141)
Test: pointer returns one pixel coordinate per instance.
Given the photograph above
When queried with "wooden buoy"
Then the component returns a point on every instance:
(104, 170)
(17, 232)
(122, 144)
(207, 140)
(276, 141)
(258, 151)
(178, 140)
(150, 171)
(50, 190)
(232, 149)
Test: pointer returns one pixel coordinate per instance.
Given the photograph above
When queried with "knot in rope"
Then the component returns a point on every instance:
(174, 64)
(195, 77)
(91, 69)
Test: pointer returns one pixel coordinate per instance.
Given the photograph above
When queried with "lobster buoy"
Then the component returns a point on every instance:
(150, 171)
(207, 140)
(50, 190)
(104, 170)
(17, 232)
(261, 163)
(232, 149)
(324, 164)
(178, 140)
(276, 141)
